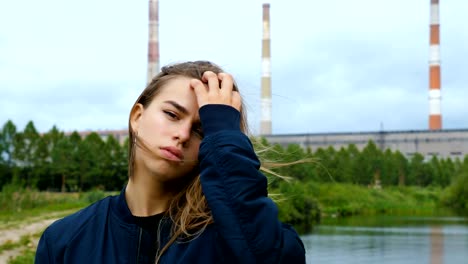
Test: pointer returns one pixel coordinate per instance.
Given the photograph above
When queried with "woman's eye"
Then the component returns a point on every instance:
(171, 114)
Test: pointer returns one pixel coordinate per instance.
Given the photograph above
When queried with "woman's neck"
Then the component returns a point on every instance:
(146, 197)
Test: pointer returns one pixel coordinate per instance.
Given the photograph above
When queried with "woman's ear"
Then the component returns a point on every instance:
(135, 116)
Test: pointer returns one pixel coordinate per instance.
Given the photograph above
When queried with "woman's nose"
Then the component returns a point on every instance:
(183, 134)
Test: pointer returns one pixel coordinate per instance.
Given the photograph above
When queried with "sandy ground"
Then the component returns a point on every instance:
(14, 234)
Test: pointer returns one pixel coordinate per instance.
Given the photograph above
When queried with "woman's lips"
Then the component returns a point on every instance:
(172, 153)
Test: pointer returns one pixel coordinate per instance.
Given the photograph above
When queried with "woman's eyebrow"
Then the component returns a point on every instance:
(178, 107)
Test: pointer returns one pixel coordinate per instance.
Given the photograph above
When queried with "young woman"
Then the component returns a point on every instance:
(194, 194)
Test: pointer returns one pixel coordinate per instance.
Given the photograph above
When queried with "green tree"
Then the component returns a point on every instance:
(449, 170)
(344, 169)
(75, 179)
(48, 166)
(325, 170)
(5, 157)
(41, 170)
(354, 156)
(420, 172)
(25, 148)
(390, 168)
(456, 195)
(92, 159)
(403, 167)
(457, 165)
(298, 205)
(441, 171)
(114, 165)
(7, 137)
(302, 171)
(446, 173)
(368, 166)
(62, 161)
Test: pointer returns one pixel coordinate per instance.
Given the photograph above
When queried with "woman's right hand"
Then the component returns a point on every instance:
(216, 89)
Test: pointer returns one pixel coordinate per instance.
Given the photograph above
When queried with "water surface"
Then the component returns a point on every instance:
(389, 239)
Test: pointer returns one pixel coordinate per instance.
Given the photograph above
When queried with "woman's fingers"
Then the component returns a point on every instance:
(227, 90)
(236, 100)
(213, 83)
(227, 84)
(200, 92)
(216, 89)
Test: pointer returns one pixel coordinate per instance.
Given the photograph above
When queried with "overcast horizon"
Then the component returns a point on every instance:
(337, 66)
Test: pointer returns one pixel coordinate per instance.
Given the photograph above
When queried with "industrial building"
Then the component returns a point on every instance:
(448, 143)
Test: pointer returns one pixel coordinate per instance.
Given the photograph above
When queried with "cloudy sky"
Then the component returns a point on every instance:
(337, 65)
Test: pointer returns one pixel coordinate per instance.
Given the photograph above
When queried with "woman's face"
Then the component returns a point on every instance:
(170, 127)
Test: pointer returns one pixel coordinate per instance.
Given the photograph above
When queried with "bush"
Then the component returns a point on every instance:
(94, 196)
(17, 203)
(298, 207)
(14, 198)
(456, 195)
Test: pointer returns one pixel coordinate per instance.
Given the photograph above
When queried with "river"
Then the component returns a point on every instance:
(389, 239)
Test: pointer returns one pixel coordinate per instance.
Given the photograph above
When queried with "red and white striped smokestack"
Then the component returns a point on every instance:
(435, 115)
(265, 124)
(153, 40)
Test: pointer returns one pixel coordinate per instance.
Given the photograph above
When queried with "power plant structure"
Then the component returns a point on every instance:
(448, 143)
(438, 142)
(153, 40)
(435, 113)
(265, 123)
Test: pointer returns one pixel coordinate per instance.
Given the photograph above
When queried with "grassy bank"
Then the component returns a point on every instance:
(305, 204)
(347, 199)
(18, 205)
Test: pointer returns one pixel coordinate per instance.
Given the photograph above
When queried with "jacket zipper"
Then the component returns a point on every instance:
(139, 244)
(158, 239)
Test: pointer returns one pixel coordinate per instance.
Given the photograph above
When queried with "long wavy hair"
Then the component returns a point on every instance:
(188, 209)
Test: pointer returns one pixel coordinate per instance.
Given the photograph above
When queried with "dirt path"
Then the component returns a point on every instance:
(7, 255)
(14, 234)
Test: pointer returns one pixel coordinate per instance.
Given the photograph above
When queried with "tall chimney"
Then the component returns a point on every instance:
(265, 125)
(435, 115)
(153, 40)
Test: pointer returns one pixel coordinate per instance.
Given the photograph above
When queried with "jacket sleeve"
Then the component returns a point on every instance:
(42, 251)
(236, 191)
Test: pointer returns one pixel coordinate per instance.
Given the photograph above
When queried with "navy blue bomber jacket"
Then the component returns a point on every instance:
(246, 228)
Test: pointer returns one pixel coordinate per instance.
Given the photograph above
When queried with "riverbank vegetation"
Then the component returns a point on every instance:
(19, 204)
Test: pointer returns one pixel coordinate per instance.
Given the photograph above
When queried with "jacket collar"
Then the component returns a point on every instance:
(122, 209)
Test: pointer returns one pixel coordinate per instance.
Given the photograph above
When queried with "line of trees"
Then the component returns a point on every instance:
(369, 166)
(58, 162)
(55, 161)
